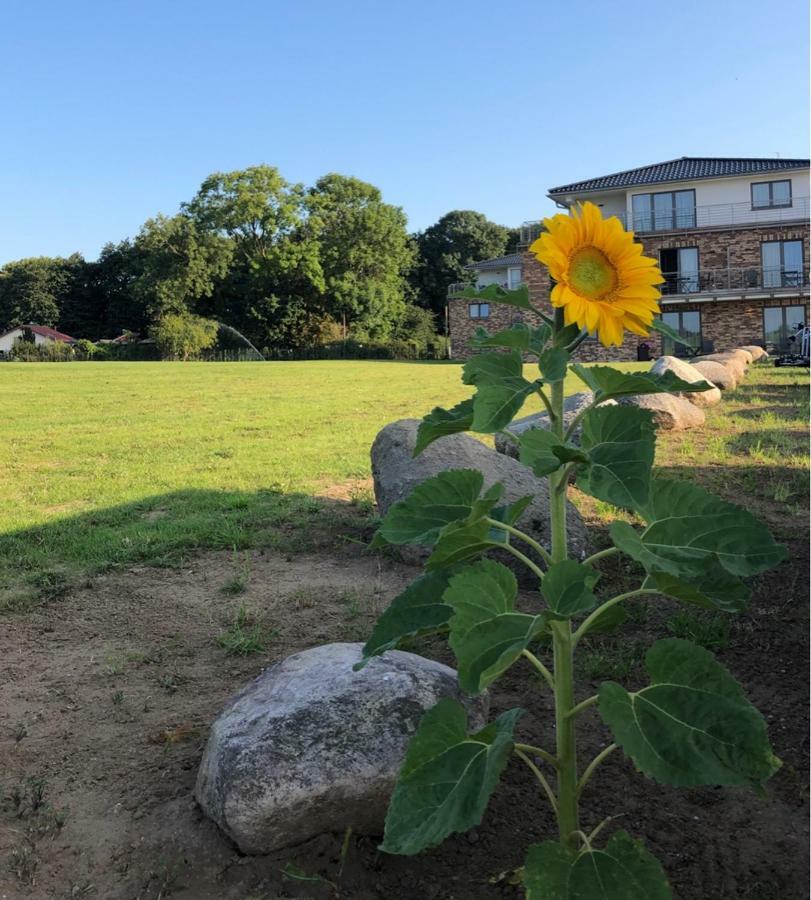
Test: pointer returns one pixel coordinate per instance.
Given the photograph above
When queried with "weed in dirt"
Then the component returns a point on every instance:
(23, 863)
(238, 582)
(114, 663)
(246, 634)
(118, 698)
(171, 681)
(710, 631)
(610, 660)
(20, 732)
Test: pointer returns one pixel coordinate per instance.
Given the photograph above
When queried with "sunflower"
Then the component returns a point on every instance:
(604, 283)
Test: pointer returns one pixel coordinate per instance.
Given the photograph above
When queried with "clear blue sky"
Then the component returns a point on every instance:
(113, 111)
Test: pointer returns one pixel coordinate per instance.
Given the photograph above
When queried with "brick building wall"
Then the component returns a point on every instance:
(726, 323)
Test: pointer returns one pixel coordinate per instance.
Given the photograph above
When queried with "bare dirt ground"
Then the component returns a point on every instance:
(107, 695)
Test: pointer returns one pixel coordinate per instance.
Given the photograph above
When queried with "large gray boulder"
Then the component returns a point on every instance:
(396, 473)
(670, 413)
(756, 352)
(311, 746)
(736, 364)
(686, 372)
(573, 405)
(718, 374)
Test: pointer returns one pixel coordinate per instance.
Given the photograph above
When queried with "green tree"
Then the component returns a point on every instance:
(180, 264)
(457, 239)
(365, 254)
(275, 281)
(31, 291)
(182, 336)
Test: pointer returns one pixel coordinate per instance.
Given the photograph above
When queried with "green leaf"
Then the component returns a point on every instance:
(487, 634)
(497, 404)
(542, 451)
(451, 496)
(567, 588)
(714, 589)
(692, 725)
(418, 610)
(493, 293)
(502, 389)
(622, 870)
(447, 778)
(518, 336)
(553, 363)
(511, 513)
(608, 620)
(441, 422)
(607, 382)
(688, 526)
(464, 540)
(620, 442)
(662, 328)
(566, 335)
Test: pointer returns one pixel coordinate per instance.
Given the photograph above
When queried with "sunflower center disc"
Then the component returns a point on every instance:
(591, 273)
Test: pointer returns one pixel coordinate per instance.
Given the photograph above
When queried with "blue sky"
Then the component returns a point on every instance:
(113, 111)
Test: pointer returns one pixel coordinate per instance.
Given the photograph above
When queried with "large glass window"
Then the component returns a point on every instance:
(779, 324)
(478, 310)
(664, 211)
(679, 266)
(782, 263)
(770, 194)
(688, 325)
(513, 277)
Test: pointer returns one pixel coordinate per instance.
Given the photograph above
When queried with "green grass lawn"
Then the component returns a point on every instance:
(115, 463)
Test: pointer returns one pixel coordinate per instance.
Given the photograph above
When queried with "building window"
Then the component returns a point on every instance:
(780, 323)
(665, 211)
(478, 310)
(688, 326)
(513, 277)
(679, 267)
(771, 194)
(782, 263)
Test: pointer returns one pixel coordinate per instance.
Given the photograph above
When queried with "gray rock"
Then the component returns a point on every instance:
(757, 352)
(572, 406)
(311, 746)
(396, 473)
(720, 375)
(688, 373)
(735, 363)
(670, 413)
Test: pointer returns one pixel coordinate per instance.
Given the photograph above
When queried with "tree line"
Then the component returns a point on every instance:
(288, 266)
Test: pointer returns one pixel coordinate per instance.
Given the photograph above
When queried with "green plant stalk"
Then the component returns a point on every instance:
(562, 644)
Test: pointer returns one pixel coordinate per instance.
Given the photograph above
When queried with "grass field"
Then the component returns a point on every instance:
(115, 463)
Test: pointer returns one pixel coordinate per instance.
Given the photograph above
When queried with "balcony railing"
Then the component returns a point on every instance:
(752, 279)
(454, 290)
(717, 215)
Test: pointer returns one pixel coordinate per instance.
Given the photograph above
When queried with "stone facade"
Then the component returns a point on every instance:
(727, 323)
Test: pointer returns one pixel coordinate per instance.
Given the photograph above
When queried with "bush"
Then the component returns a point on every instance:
(184, 336)
(24, 350)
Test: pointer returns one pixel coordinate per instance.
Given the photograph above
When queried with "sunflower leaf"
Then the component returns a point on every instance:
(567, 588)
(622, 870)
(447, 777)
(441, 422)
(487, 633)
(668, 331)
(692, 725)
(418, 610)
(553, 363)
(607, 382)
(620, 444)
(518, 337)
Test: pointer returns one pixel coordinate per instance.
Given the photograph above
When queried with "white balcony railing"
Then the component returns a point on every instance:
(716, 215)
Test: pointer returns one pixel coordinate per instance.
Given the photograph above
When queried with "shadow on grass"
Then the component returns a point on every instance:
(43, 562)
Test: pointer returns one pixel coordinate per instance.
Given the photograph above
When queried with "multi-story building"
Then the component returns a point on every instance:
(731, 237)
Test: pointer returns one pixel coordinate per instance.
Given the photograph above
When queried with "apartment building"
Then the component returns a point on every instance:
(731, 237)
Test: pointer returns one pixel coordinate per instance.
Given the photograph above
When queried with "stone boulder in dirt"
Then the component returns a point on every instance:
(688, 373)
(311, 746)
(396, 473)
(756, 352)
(572, 405)
(670, 413)
(718, 374)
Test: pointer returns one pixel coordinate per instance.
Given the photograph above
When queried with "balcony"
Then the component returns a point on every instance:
(719, 215)
(731, 284)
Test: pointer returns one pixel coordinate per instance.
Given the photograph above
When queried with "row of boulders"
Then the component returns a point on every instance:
(312, 746)
(671, 412)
